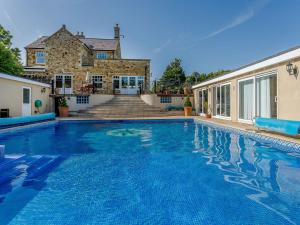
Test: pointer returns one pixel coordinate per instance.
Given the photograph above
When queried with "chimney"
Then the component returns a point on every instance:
(117, 31)
(80, 35)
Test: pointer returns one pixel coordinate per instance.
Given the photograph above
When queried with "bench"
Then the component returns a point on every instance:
(287, 127)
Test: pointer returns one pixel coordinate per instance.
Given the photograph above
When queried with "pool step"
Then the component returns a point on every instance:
(42, 169)
(24, 171)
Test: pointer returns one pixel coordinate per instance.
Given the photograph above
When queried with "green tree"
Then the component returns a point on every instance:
(10, 59)
(173, 77)
(197, 77)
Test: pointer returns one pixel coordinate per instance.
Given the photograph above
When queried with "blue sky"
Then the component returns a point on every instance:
(207, 35)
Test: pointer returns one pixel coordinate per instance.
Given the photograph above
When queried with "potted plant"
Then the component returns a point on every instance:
(63, 107)
(187, 106)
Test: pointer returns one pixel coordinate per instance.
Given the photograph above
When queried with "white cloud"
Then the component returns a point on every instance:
(163, 46)
(236, 22)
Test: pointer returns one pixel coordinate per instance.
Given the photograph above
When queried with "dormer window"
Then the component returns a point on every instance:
(40, 57)
(101, 55)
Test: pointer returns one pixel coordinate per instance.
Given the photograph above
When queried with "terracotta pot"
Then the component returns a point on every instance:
(63, 111)
(188, 111)
(208, 116)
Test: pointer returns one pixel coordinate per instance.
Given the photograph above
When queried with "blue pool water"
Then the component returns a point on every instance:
(175, 172)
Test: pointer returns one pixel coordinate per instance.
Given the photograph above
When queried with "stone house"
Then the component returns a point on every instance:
(80, 67)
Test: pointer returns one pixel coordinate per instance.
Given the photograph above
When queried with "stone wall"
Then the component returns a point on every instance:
(30, 56)
(154, 100)
(65, 54)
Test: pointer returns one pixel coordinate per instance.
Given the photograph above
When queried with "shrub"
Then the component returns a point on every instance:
(62, 102)
(187, 102)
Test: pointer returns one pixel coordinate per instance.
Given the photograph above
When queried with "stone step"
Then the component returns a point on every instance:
(127, 116)
(124, 107)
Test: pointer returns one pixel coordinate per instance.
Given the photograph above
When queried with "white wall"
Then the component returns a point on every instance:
(11, 96)
(154, 100)
(95, 99)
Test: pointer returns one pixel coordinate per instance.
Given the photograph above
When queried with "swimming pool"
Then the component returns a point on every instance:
(152, 172)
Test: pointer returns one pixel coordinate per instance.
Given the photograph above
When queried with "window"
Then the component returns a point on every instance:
(82, 99)
(116, 82)
(101, 55)
(26, 95)
(40, 58)
(97, 81)
(64, 84)
(165, 99)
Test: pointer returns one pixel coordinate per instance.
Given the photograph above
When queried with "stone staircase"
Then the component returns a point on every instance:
(125, 106)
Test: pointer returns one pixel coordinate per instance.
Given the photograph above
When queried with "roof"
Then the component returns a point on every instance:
(92, 43)
(100, 44)
(39, 43)
(23, 80)
(280, 57)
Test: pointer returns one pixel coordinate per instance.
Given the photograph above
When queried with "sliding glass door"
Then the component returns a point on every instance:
(221, 101)
(246, 99)
(266, 94)
(203, 101)
(258, 97)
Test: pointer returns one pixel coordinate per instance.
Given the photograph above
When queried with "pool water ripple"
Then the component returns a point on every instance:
(157, 173)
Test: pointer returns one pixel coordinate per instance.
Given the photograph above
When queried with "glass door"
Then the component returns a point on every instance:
(246, 99)
(203, 102)
(221, 101)
(266, 96)
(200, 102)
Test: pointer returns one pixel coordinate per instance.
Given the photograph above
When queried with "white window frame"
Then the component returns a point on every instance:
(64, 90)
(38, 56)
(220, 86)
(274, 72)
(99, 55)
(93, 81)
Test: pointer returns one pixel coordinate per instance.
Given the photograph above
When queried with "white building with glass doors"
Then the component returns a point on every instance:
(269, 88)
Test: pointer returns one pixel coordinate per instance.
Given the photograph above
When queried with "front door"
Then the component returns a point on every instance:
(26, 101)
